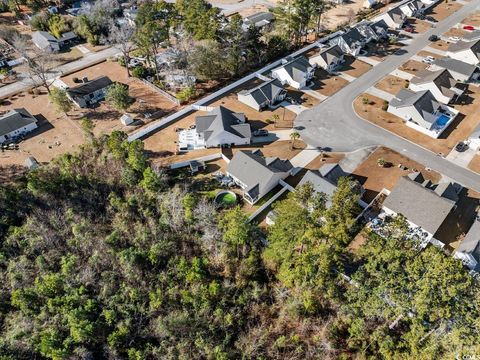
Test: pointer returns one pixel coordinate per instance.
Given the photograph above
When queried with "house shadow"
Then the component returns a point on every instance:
(448, 131)
(156, 154)
(102, 115)
(43, 126)
(257, 124)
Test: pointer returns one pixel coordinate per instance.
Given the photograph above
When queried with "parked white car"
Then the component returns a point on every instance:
(428, 59)
(454, 39)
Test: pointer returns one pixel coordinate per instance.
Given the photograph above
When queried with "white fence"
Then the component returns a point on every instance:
(185, 163)
(204, 101)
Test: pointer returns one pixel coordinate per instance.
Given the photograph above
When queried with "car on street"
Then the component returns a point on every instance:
(431, 19)
(468, 27)
(433, 38)
(260, 132)
(428, 59)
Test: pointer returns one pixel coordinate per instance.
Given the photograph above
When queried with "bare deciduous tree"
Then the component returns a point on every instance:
(122, 36)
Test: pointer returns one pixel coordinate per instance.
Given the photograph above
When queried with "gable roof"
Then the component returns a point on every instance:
(259, 19)
(423, 101)
(474, 46)
(352, 37)
(320, 184)
(90, 86)
(332, 172)
(397, 15)
(471, 243)
(330, 54)
(442, 79)
(15, 119)
(455, 66)
(267, 91)
(297, 68)
(43, 39)
(221, 120)
(256, 171)
(420, 205)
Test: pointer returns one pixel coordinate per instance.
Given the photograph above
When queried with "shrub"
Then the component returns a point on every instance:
(385, 105)
(406, 83)
(186, 94)
(365, 101)
(121, 61)
(139, 72)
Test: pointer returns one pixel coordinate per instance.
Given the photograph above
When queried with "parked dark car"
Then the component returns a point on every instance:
(461, 147)
(409, 29)
(431, 19)
(260, 133)
(433, 38)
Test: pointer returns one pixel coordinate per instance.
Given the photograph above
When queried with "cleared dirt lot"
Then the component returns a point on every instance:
(354, 67)
(443, 10)
(425, 53)
(455, 32)
(374, 178)
(327, 84)
(420, 26)
(391, 84)
(440, 45)
(473, 19)
(459, 130)
(475, 164)
(413, 67)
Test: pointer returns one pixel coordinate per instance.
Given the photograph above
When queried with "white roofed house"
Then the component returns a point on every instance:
(469, 249)
(261, 20)
(265, 95)
(47, 42)
(413, 8)
(295, 72)
(257, 175)
(220, 127)
(422, 112)
(394, 18)
(329, 58)
(468, 52)
(15, 123)
(440, 83)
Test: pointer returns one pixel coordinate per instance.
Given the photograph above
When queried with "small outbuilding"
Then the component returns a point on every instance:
(126, 119)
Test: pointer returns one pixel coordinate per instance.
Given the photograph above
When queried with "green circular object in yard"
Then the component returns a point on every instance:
(226, 198)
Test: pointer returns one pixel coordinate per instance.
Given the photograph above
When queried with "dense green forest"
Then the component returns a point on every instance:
(101, 257)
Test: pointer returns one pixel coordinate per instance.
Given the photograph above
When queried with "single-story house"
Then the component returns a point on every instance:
(468, 52)
(329, 58)
(257, 175)
(421, 204)
(89, 92)
(394, 18)
(295, 72)
(267, 94)
(350, 42)
(220, 127)
(15, 123)
(422, 112)
(261, 20)
(460, 71)
(440, 83)
(469, 249)
(47, 42)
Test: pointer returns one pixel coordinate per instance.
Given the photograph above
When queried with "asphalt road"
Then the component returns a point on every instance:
(85, 61)
(334, 125)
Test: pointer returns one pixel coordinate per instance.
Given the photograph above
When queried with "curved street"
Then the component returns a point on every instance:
(333, 125)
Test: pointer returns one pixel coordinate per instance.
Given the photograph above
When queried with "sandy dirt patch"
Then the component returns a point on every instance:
(413, 66)
(443, 10)
(354, 67)
(391, 84)
(475, 164)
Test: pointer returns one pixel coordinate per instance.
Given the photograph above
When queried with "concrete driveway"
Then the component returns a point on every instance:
(334, 125)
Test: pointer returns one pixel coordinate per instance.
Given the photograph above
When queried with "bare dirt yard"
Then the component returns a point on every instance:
(354, 67)
(420, 26)
(440, 45)
(374, 177)
(327, 84)
(413, 67)
(473, 19)
(380, 51)
(459, 130)
(425, 53)
(391, 84)
(443, 10)
(475, 164)
(455, 32)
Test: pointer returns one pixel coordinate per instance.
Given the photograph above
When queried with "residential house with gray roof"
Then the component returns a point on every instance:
(15, 123)
(422, 112)
(319, 184)
(421, 205)
(90, 92)
(329, 58)
(261, 20)
(47, 42)
(351, 42)
(468, 52)
(296, 72)
(218, 128)
(440, 83)
(394, 18)
(469, 249)
(263, 96)
(460, 71)
(257, 175)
